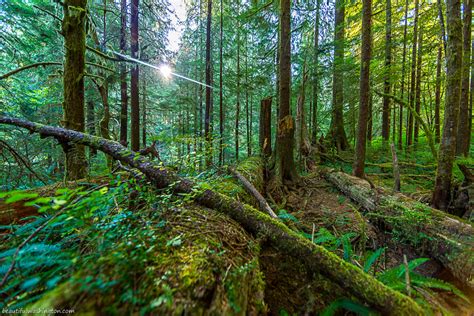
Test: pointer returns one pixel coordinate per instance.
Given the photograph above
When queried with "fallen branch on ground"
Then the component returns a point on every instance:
(315, 258)
(263, 205)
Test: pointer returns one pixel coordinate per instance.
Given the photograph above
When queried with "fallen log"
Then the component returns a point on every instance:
(263, 205)
(315, 258)
(444, 237)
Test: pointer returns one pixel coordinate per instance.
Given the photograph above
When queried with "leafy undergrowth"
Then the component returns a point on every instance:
(110, 254)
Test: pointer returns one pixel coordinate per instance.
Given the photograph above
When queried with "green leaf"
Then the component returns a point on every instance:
(372, 258)
(20, 196)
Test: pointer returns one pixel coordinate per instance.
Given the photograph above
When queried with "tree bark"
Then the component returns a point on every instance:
(438, 94)
(134, 90)
(266, 127)
(339, 138)
(315, 258)
(237, 108)
(284, 160)
(387, 79)
(207, 114)
(123, 74)
(359, 159)
(314, 117)
(90, 124)
(411, 97)
(402, 88)
(464, 136)
(74, 32)
(447, 150)
(221, 99)
(418, 86)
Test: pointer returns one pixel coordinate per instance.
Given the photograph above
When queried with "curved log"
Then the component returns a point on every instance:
(444, 237)
(316, 258)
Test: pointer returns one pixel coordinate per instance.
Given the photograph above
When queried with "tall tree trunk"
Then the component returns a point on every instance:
(388, 61)
(284, 162)
(437, 124)
(247, 114)
(237, 109)
(402, 88)
(221, 104)
(411, 97)
(73, 30)
(207, 116)
(315, 81)
(337, 132)
(134, 90)
(418, 85)
(464, 136)
(123, 75)
(370, 117)
(144, 109)
(265, 132)
(447, 150)
(471, 96)
(359, 159)
(302, 142)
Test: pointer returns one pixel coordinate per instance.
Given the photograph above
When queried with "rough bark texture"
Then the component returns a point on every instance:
(438, 95)
(208, 109)
(464, 136)
(315, 258)
(387, 80)
(339, 138)
(134, 92)
(302, 142)
(314, 116)
(447, 149)
(73, 30)
(418, 86)
(396, 169)
(284, 160)
(221, 99)
(402, 88)
(90, 124)
(123, 74)
(266, 127)
(411, 98)
(444, 237)
(359, 159)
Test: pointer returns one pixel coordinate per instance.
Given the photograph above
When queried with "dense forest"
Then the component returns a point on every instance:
(236, 157)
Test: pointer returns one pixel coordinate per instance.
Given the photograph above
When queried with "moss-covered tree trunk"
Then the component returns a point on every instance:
(337, 132)
(444, 237)
(73, 30)
(359, 159)
(447, 150)
(316, 259)
(464, 136)
(285, 170)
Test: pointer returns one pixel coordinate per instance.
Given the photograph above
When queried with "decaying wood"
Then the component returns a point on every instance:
(396, 169)
(263, 205)
(151, 150)
(315, 258)
(444, 237)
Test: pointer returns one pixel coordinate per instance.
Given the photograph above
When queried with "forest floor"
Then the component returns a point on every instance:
(206, 261)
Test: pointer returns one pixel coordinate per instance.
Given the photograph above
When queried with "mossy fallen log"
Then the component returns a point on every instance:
(444, 237)
(315, 258)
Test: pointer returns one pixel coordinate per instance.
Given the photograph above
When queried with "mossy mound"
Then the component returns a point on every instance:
(191, 260)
